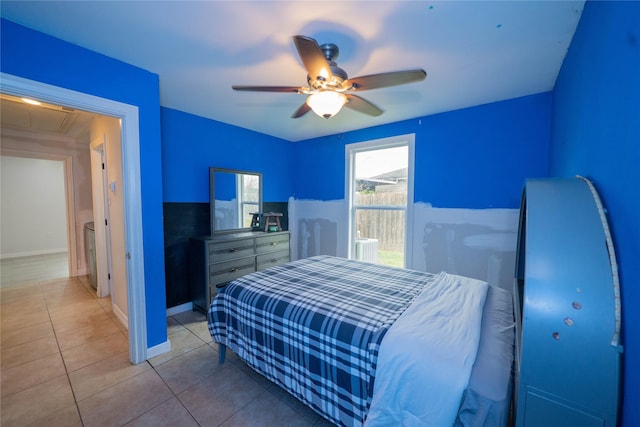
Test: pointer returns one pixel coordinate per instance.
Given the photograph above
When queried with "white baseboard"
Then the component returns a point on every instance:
(33, 253)
(159, 349)
(172, 311)
(122, 317)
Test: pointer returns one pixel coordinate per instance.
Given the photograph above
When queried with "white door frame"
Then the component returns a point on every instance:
(129, 120)
(101, 217)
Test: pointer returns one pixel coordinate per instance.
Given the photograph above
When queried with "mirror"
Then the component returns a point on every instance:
(234, 196)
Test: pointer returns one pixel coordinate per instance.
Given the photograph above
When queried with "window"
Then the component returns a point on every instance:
(379, 189)
(248, 190)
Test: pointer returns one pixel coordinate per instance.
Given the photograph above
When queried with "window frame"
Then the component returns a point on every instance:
(242, 201)
(407, 140)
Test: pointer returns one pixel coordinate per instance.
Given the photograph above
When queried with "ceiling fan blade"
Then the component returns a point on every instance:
(362, 105)
(304, 109)
(312, 57)
(292, 89)
(394, 78)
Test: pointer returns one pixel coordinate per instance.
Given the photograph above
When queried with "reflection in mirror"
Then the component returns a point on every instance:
(235, 195)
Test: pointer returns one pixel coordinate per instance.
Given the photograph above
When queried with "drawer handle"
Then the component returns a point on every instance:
(274, 260)
(274, 243)
(233, 270)
(232, 250)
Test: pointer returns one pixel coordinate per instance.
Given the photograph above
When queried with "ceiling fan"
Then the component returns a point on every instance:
(329, 85)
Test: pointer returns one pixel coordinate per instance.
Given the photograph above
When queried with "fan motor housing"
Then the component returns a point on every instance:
(331, 53)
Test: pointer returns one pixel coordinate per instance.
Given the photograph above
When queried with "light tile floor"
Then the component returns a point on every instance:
(64, 362)
(31, 269)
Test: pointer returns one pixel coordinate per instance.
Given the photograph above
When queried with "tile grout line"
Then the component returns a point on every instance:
(73, 393)
(174, 395)
(265, 390)
(184, 325)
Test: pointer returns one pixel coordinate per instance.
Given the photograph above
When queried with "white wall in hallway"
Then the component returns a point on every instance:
(42, 145)
(32, 199)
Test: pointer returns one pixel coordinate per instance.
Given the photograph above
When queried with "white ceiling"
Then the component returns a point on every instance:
(474, 52)
(53, 120)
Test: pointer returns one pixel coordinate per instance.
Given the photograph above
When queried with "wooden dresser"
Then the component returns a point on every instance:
(215, 260)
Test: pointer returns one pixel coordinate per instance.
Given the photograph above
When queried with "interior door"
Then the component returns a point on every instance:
(101, 218)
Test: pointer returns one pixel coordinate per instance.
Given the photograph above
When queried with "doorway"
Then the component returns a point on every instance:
(133, 247)
(34, 219)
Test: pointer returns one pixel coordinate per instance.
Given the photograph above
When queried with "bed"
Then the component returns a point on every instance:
(367, 344)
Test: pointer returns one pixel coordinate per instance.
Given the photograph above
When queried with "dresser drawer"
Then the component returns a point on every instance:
(274, 243)
(216, 260)
(274, 258)
(225, 271)
(224, 251)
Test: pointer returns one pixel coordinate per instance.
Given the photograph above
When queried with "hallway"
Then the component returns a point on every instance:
(29, 269)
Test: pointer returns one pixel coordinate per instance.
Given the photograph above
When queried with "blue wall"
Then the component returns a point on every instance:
(472, 158)
(36, 56)
(191, 144)
(596, 133)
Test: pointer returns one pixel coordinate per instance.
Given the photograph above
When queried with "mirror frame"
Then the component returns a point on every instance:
(212, 198)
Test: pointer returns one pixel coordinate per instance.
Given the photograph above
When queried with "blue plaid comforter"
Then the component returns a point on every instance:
(314, 326)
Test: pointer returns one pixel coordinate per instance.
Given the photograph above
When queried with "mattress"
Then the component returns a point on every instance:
(316, 327)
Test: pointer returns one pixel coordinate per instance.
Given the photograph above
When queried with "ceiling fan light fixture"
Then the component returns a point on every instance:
(326, 103)
(329, 85)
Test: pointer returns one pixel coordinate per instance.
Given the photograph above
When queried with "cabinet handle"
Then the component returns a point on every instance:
(233, 270)
(232, 250)
(274, 243)
(274, 261)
